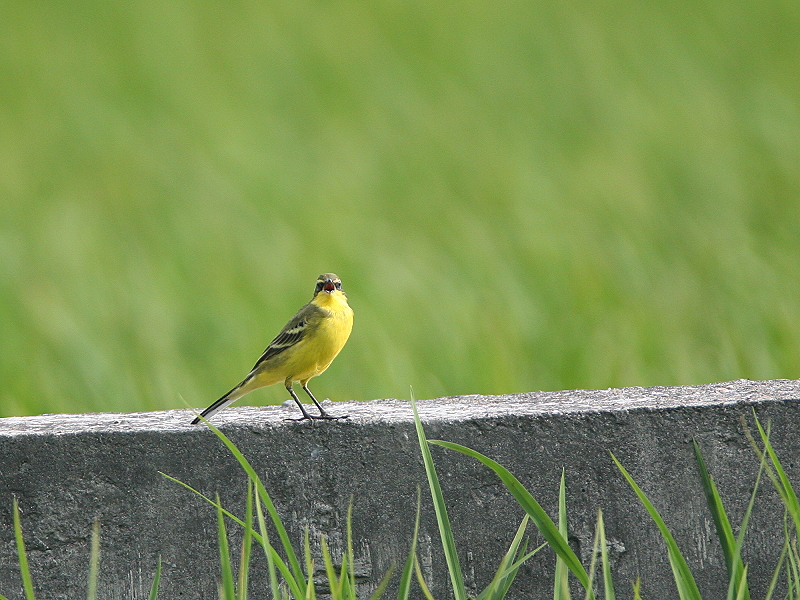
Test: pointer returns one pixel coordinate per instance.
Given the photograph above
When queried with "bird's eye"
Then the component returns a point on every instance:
(338, 285)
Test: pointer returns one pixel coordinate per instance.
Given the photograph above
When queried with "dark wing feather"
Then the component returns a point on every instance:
(294, 331)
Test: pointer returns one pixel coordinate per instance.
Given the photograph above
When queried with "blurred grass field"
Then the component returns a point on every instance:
(518, 195)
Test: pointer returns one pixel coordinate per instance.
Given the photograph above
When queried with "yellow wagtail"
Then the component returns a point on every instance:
(303, 349)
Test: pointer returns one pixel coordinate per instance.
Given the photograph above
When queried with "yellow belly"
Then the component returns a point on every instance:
(313, 355)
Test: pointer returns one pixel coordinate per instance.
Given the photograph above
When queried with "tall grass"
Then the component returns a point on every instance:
(293, 576)
(738, 585)
(94, 562)
(518, 195)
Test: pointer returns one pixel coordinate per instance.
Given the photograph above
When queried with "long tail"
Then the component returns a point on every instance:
(229, 398)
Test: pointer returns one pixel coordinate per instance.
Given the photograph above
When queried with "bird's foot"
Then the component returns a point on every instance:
(325, 416)
(303, 418)
(322, 417)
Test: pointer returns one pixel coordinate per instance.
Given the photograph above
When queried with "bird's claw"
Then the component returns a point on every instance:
(327, 417)
(322, 417)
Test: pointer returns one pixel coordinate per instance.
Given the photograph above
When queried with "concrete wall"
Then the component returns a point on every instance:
(67, 469)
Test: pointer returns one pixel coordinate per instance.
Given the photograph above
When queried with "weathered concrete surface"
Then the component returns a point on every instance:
(67, 469)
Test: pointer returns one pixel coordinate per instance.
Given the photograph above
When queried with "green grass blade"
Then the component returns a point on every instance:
(731, 546)
(445, 531)
(789, 499)
(684, 581)
(296, 585)
(421, 580)
(511, 571)
(379, 591)
(330, 571)
(791, 560)
(608, 584)
(156, 580)
(740, 567)
(212, 502)
(539, 517)
(507, 576)
(793, 572)
(247, 542)
(491, 590)
(297, 588)
(274, 559)
(94, 561)
(350, 556)
(24, 570)
(742, 586)
(509, 565)
(404, 587)
(561, 582)
(311, 591)
(595, 549)
(636, 585)
(226, 587)
(718, 514)
(773, 583)
(265, 499)
(783, 485)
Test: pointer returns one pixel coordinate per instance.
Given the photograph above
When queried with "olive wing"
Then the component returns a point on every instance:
(295, 330)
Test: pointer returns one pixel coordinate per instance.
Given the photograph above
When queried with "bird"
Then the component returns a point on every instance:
(303, 349)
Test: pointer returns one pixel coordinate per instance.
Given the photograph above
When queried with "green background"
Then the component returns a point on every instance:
(518, 195)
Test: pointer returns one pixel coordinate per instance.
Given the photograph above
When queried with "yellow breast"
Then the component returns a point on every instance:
(327, 340)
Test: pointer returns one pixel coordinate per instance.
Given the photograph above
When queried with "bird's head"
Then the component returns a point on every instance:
(328, 283)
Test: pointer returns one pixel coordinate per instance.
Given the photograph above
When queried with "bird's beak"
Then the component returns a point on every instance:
(329, 287)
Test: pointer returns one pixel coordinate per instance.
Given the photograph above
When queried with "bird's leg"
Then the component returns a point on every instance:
(300, 404)
(322, 413)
